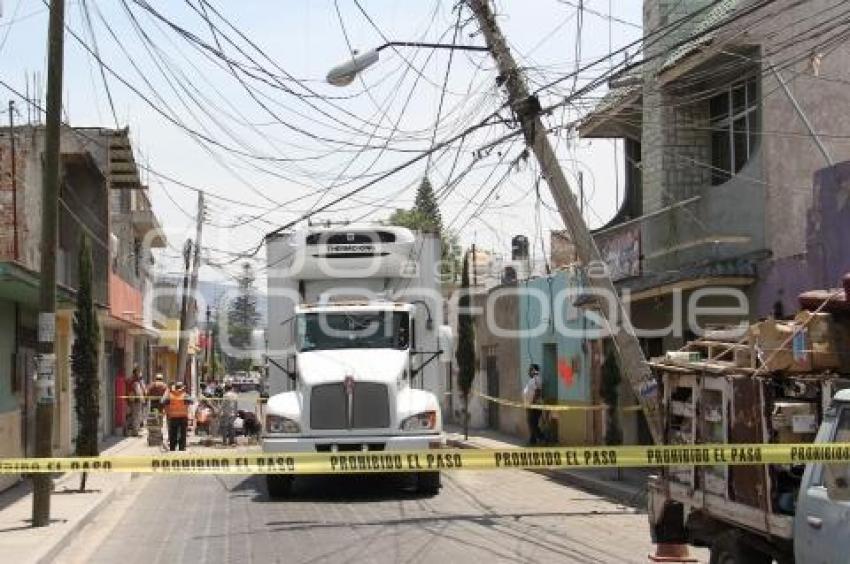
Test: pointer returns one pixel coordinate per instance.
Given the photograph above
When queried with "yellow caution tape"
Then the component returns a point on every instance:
(551, 407)
(441, 459)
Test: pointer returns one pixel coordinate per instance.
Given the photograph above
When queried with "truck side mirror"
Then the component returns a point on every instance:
(291, 367)
(836, 477)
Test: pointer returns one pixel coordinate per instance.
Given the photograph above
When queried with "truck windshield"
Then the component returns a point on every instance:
(353, 330)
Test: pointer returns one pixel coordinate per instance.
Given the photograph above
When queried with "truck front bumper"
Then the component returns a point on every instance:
(353, 444)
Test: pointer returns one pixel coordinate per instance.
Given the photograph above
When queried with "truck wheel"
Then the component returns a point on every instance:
(728, 548)
(428, 483)
(279, 485)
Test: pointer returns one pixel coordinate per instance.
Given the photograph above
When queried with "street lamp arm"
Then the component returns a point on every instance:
(431, 46)
(343, 74)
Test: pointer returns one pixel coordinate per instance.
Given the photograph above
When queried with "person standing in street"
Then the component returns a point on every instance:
(156, 390)
(229, 406)
(532, 394)
(135, 403)
(176, 404)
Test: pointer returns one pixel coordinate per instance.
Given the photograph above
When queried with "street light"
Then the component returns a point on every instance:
(343, 74)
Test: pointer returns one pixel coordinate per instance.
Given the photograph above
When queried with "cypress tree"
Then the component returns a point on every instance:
(243, 317)
(84, 356)
(465, 343)
(609, 390)
(426, 206)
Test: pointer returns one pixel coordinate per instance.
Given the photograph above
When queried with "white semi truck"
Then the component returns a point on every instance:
(356, 352)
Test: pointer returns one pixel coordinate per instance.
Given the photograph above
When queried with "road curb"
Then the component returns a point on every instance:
(63, 540)
(56, 545)
(615, 491)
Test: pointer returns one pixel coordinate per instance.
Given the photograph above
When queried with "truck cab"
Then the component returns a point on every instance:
(356, 358)
(822, 518)
(353, 372)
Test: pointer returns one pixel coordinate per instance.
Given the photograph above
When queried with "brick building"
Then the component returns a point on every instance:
(92, 175)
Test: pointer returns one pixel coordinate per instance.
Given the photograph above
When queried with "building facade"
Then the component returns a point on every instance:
(128, 327)
(88, 178)
(729, 193)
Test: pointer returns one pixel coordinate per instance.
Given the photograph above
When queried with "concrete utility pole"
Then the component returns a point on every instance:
(187, 314)
(14, 157)
(208, 339)
(527, 110)
(46, 379)
(182, 337)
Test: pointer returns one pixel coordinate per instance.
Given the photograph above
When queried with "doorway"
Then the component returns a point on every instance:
(550, 371)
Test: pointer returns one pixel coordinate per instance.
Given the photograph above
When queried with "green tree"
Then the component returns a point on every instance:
(426, 205)
(465, 343)
(425, 216)
(242, 317)
(84, 360)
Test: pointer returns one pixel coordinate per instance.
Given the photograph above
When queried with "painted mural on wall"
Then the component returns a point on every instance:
(620, 249)
(568, 377)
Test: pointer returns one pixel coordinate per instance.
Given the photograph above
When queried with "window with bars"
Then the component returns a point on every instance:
(734, 119)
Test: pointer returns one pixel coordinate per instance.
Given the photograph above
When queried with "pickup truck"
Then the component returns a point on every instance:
(813, 529)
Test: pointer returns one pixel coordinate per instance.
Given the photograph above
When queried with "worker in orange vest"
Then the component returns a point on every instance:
(176, 404)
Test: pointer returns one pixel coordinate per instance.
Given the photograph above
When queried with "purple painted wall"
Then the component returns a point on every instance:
(827, 242)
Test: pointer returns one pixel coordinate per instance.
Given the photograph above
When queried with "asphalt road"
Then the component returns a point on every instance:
(509, 516)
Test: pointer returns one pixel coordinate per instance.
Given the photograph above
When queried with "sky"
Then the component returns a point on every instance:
(230, 97)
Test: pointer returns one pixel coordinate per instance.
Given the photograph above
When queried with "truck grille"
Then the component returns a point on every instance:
(329, 407)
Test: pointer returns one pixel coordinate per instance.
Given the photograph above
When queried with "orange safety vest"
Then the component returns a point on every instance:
(177, 406)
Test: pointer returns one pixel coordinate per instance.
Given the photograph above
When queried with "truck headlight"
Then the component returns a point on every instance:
(425, 421)
(278, 424)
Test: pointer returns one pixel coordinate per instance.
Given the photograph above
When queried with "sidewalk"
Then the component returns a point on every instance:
(71, 510)
(623, 485)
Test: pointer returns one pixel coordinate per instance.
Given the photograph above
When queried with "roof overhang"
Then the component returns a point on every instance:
(146, 224)
(618, 115)
(685, 285)
(19, 284)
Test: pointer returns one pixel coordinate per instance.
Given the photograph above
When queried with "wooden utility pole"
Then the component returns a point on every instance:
(527, 111)
(187, 314)
(46, 372)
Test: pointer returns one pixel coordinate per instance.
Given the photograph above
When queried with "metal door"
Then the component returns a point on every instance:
(492, 390)
(550, 371)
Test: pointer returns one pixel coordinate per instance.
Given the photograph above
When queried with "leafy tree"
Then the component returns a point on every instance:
(425, 216)
(84, 356)
(465, 343)
(242, 317)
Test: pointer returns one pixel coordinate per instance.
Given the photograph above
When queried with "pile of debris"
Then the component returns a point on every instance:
(769, 382)
(816, 340)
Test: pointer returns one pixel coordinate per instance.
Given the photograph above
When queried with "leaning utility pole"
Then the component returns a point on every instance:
(46, 373)
(527, 109)
(187, 317)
